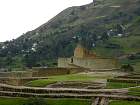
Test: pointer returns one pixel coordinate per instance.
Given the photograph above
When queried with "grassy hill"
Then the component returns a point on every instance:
(100, 25)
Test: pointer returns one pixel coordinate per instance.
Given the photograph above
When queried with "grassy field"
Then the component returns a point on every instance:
(71, 77)
(124, 103)
(12, 101)
(21, 101)
(134, 91)
(117, 85)
(40, 83)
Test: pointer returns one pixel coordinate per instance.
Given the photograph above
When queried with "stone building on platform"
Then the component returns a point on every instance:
(86, 59)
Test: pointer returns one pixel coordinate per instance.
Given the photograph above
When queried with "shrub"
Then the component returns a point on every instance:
(127, 68)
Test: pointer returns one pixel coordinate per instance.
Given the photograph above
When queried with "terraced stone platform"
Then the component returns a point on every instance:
(103, 94)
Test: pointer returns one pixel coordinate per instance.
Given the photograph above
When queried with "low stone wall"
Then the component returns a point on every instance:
(96, 63)
(16, 74)
(20, 78)
(18, 81)
(10, 81)
(64, 62)
(4, 87)
(113, 94)
(77, 85)
(5, 74)
(122, 80)
(129, 77)
(43, 72)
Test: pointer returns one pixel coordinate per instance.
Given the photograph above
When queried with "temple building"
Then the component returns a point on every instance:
(81, 52)
(87, 59)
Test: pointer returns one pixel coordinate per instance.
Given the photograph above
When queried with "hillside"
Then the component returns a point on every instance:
(110, 28)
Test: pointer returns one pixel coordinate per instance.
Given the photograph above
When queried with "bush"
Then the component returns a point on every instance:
(127, 68)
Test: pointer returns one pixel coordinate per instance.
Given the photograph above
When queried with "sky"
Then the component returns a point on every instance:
(19, 16)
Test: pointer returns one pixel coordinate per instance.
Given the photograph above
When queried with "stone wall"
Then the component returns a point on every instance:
(42, 72)
(17, 81)
(64, 62)
(96, 63)
(10, 81)
(81, 52)
(20, 78)
(5, 74)
(16, 74)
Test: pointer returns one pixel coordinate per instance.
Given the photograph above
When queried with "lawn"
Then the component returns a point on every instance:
(117, 85)
(68, 102)
(40, 83)
(71, 77)
(12, 101)
(124, 103)
(22, 101)
(64, 101)
(134, 91)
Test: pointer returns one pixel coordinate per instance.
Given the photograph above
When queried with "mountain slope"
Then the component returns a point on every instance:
(95, 26)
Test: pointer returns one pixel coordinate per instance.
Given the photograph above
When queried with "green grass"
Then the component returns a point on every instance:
(124, 103)
(40, 83)
(71, 77)
(117, 85)
(12, 101)
(22, 101)
(134, 91)
(68, 102)
(64, 101)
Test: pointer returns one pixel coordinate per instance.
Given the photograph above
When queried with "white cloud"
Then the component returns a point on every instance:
(20, 16)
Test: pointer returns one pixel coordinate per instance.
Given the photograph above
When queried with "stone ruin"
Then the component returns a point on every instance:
(87, 59)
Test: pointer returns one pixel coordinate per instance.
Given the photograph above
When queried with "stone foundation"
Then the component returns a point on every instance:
(96, 63)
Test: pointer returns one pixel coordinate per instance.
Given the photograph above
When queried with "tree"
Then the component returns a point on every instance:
(30, 60)
(2, 63)
(9, 61)
(127, 68)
